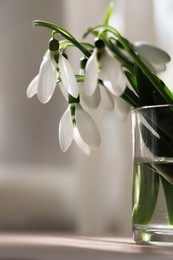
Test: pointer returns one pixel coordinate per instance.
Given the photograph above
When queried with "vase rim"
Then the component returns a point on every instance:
(151, 106)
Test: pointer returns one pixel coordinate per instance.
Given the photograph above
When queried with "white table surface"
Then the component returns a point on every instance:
(50, 246)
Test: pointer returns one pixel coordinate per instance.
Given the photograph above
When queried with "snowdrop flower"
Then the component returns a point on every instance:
(76, 124)
(44, 83)
(102, 64)
(154, 57)
(101, 96)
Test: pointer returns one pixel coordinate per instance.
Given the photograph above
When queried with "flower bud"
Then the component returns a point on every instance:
(99, 44)
(53, 45)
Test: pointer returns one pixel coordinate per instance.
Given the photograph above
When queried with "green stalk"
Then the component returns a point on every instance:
(64, 33)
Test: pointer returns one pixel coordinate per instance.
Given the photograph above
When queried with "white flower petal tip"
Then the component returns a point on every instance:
(87, 128)
(47, 79)
(122, 109)
(152, 53)
(90, 101)
(158, 68)
(32, 88)
(107, 101)
(68, 77)
(65, 131)
(63, 91)
(91, 74)
(118, 87)
(81, 144)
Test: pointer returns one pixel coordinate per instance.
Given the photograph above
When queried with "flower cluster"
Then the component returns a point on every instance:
(114, 74)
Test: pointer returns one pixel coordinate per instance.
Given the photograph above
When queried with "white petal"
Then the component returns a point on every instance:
(63, 90)
(158, 68)
(47, 79)
(111, 74)
(122, 108)
(155, 68)
(107, 101)
(65, 131)
(87, 128)
(91, 74)
(116, 86)
(120, 84)
(81, 144)
(151, 53)
(90, 101)
(32, 88)
(68, 76)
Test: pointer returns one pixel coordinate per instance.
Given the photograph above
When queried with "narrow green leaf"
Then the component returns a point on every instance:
(108, 13)
(168, 191)
(145, 192)
(132, 80)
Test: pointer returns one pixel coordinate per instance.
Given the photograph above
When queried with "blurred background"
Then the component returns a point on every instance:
(40, 187)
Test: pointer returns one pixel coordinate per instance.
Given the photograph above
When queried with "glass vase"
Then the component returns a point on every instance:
(152, 205)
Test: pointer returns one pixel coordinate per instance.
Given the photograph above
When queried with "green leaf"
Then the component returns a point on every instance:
(132, 80)
(168, 191)
(145, 192)
(130, 97)
(144, 86)
(108, 13)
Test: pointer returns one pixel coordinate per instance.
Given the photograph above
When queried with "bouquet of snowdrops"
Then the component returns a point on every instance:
(114, 74)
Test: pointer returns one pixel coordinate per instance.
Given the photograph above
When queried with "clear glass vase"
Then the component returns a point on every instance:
(152, 206)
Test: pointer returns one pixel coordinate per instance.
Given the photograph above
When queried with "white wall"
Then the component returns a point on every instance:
(30, 156)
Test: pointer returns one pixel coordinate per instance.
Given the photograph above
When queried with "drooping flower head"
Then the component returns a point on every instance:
(103, 65)
(76, 124)
(53, 66)
(45, 82)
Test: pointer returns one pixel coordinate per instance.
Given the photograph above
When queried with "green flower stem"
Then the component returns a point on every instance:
(164, 91)
(168, 191)
(66, 44)
(64, 33)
